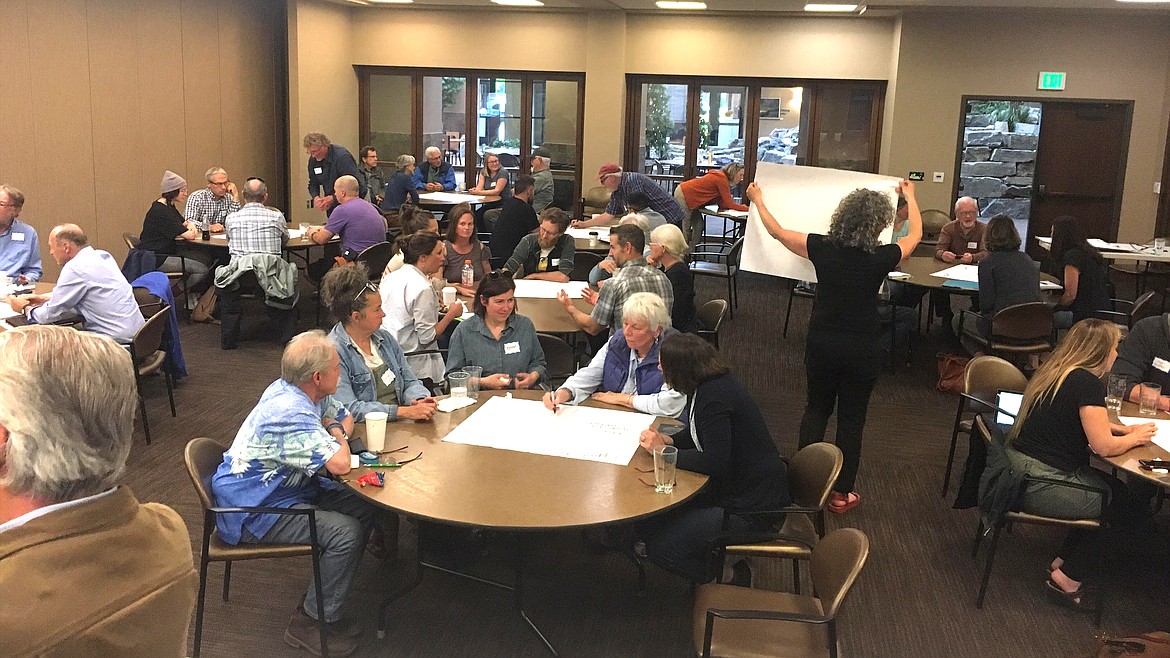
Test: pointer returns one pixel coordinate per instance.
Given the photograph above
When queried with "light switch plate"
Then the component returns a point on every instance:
(939, 177)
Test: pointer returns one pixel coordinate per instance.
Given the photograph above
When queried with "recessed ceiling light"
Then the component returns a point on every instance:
(519, 3)
(829, 7)
(680, 4)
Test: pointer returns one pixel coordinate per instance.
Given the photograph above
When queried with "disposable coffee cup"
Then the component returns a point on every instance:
(376, 431)
(593, 238)
(448, 296)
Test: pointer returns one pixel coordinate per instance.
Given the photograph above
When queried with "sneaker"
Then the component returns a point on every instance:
(302, 632)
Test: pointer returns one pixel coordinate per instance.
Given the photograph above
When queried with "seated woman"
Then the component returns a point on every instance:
(725, 438)
(668, 247)
(414, 220)
(1061, 418)
(493, 182)
(374, 373)
(400, 189)
(1082, 272)
(463, 245)
(626, 367)
(412, 305)
(1007, 276)
(163, 224)
(497, 339)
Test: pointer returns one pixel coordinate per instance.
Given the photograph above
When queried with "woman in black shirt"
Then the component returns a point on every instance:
(1082, 273)
(163, 224)
(668, 247)
(1062, 416)
(842, 355)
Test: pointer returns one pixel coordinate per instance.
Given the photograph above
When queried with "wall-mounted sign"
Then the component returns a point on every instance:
(917, 175)
(1051, 81)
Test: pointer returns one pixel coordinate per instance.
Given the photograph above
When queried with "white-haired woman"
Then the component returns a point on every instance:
(400, 189)
(668, 248)
(625, 370)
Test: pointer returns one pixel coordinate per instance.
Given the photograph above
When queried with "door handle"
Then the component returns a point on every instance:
(1041, 189)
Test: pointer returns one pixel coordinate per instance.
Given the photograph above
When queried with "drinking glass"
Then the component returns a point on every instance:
(1159, 245)
(665, 461)
(1151, 394)
(473, 375)
(1115, 393)
(457, 383)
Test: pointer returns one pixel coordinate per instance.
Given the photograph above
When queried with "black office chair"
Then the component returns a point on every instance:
(719, 260)
(583, 264)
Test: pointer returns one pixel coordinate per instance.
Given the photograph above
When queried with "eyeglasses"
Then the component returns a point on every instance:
(369, 287)
(496, 274)
(219, 184)
(7, 204)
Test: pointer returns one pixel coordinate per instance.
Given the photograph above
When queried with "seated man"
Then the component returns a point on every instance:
(296, 431)
(85, 569)
(434, 175)
(209, 207)
(959, 243)
(90, 284)
(355, 220)
(20, 252)
(1144, 356)
(547, 254)
(516, 219)
(633, 274)
(542, 180)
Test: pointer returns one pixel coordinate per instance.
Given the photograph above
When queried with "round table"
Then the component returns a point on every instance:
(547, 315)
(1128, 460)
(922, 268)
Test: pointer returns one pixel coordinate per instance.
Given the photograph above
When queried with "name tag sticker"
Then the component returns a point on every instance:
(554, 261)
(18, 237)
(388, 377)
(514, 348)
(972, 245)
(317, 170)
(1161, 364)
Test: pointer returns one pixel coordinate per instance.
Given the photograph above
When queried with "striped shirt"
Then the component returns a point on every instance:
(634, 276)
(204, 209)
(255, 229)
(660, 201)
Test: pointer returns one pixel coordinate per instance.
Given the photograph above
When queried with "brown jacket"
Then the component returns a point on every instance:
(111, 577)
(957, 241)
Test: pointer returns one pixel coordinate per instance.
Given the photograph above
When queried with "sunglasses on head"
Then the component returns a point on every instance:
(369, 287)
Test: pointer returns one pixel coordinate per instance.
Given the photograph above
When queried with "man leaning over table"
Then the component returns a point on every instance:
(20, 252)
(623, 183)
(434, 174)
(85, 569)
(90, 284)
(327, 163)
(356, 221)
(1144, 356)
(210, 206)
(295, 437)
(959, 243)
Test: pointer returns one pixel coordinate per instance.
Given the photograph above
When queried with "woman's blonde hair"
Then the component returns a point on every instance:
(1087, 345)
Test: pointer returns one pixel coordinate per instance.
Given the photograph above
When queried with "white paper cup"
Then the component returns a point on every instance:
(448, 296)
(376, 431)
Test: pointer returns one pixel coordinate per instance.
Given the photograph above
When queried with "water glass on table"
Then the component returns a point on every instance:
(1115, 393)
(1159, 245)
(665, 462)
(1151, 395)
(457, 383)
(473, 375)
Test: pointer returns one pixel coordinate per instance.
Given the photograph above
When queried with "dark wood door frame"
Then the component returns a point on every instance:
(1162, 225)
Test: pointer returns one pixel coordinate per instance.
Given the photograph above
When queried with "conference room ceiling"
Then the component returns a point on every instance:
(881, 7)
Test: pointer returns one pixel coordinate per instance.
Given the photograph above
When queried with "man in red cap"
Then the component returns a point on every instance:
(623, 183)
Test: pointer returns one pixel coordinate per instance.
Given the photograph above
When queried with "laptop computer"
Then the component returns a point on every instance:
(1007, 406)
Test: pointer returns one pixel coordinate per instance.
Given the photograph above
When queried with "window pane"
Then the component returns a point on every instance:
(444, 119)
(662, 129)
(390, 117)
(843, 127)
(781, 120)
(720, 126)
(499, 111)
(554, 128)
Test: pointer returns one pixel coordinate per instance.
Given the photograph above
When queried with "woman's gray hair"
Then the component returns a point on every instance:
(68, 407)
(404, 161)
(307, 353)
(671, 238)
(639, 221)
(648, 307)
(341, 291)
(859, 218)
(432, 150)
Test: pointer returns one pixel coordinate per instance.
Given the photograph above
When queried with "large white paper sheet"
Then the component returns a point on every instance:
(959, 273)
(599, 435)
(802, 199)
(1161, 436)
(583, 233)
(536, 289)
(450, 197)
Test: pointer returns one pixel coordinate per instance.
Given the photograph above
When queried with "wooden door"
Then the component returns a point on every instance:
(1080, 167)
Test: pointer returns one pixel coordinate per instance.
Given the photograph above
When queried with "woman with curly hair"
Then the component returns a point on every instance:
(842, 355)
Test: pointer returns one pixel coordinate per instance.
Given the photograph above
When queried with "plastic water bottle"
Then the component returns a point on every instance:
(467, 274)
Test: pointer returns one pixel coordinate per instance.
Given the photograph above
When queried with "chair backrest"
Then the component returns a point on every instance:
(132, 240)
(1030, 321)
(560, 360)
(712, 313)
(987, 375)
(733, 255)
(583, 263)
(596, 199)
(1145, 306)
(148, 302)
(812, 472)
(375, 257)
(149, 337)
(933, 220)
(835, 565)
(202, 457)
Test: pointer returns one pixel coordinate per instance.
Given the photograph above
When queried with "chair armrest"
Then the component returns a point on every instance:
(1062, 483)
(736, 538)
(288, 511)
(983, 403)
(771, 615)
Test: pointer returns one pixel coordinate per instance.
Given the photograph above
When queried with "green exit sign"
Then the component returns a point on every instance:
(1051, 81)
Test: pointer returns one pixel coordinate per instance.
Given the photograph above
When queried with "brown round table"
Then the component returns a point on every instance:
(1128, 460)
(921, 269)
(547, 315)
(482, 487)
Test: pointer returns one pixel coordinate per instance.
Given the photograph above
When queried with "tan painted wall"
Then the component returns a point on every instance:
(1107, 56)
(103, 95)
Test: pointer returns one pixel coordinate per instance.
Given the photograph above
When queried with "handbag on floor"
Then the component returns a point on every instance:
(1148, 645)
(950, 372)
(205, 306)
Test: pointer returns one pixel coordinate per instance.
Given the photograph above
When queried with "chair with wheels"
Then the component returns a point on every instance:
(711, 315)
(203, 456)
(730, 621)
(984, 377)
(148, 359)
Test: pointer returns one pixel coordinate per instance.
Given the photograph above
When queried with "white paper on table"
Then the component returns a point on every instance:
(295, 233)
(897, 275)
(1113, 246)
(6, 310)
(537, 289)
(1050, 285)
(959, 273)
(802, 199)
(447, 405)
(588, 433)
(1161, 436)
(735, 213)
(583, 233)
(219, 236)
(450, 197)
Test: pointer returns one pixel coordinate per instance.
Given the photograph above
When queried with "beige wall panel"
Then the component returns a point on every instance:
(16, 113)
(202, 68)
(605, 94)
(62, 120)
(162, 136)
(1106, 56)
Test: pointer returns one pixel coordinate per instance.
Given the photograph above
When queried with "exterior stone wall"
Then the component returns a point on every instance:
(997, 170)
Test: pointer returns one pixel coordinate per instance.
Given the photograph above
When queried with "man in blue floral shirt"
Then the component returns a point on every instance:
(296, 430)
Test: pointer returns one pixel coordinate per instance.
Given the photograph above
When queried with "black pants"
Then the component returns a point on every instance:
(841, 370)
(231, 316)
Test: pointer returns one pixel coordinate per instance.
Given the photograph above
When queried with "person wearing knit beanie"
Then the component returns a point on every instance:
(171, 182)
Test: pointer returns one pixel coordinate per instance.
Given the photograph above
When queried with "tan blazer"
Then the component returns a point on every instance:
(110, 577)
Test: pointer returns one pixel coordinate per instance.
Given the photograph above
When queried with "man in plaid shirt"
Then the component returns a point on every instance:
(254, 229)
(621, 185)
(209, 207)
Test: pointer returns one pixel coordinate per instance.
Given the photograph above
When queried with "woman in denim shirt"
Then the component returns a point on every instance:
(498, 340)
(374, 373)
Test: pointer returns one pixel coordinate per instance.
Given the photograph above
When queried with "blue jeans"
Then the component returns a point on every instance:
(344, 521)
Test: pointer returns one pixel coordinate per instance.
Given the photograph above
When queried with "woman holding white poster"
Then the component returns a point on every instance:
(842, 355)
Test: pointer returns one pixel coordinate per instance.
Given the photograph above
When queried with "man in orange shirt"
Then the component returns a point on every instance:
(714, 187)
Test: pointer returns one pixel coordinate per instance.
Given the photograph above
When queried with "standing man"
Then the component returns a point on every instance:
(86, 569)
(548, 254)
(434, 175)
(516, 219)
(327, 163)
(20, 251)
(356, 220)
(209, 207)
(371, 175)
(542, 187)
(959, 242)
(623, 183)
(633, 274)
(90, 284)
(297, 430)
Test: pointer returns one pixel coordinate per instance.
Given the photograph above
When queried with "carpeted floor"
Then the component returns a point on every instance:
(914, 598)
